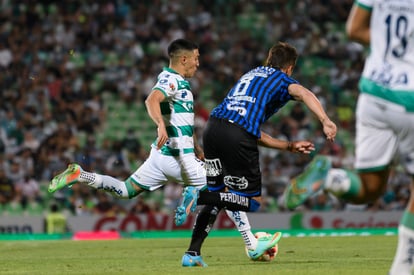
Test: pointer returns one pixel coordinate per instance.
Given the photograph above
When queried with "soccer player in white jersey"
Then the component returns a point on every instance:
(384, 115)
(175, 154)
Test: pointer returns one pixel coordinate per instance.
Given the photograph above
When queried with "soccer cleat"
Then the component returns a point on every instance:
(263, 244)
(188, 205)
(189, 260)
(307, 183)
(67, 178)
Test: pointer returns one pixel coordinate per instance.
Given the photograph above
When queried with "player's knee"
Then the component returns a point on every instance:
(132, 189)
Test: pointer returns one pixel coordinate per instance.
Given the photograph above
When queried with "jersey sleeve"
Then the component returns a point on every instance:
(365, 4)
(166, 84)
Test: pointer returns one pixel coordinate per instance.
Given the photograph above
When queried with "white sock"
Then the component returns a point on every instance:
(337, 182)
(115, 187)
(243, 225)
(92, 179)
(404, 258)
(107, 183)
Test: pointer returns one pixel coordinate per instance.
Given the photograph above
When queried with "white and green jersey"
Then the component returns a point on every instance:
(389, 68)
(177, 111)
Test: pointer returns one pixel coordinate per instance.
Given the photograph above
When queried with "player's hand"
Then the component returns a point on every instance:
(304, 147)
(329, 128)
(199, 152)
(162, 136)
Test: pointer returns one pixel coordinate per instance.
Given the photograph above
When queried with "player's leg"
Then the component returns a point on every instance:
(255, 247)
(376, 145)
(75, 174)
(192, 175)
(242, 223)
(203, 224)
(357, 188)
(245, 195)
(188, 205)
(403, 262)
(148, 173)
(190, 194)
(308, 183)
(240, 157)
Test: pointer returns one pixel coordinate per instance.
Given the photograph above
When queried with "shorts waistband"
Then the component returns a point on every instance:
(226, 120)
(231, 122)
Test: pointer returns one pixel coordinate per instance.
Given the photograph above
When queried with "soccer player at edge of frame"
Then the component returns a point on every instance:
(232, 136)
(175, 154)
(384, 119)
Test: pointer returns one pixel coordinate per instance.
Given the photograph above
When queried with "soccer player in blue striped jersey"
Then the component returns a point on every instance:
(233, 134)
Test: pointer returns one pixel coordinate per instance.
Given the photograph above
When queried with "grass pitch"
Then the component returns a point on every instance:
(361, 255)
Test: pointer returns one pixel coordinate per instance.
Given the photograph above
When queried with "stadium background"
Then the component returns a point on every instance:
(74, 74)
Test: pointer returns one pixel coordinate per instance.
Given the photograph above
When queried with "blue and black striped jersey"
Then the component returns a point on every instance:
(257, 95)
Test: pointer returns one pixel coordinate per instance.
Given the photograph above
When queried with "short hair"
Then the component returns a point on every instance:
(54, 208)
(180, 44)
(281, 56)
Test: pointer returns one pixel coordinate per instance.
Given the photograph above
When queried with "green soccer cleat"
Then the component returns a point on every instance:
(307, 183)
(263, 244)
(67, 178)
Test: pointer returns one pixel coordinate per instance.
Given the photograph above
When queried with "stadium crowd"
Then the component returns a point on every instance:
(59, 58)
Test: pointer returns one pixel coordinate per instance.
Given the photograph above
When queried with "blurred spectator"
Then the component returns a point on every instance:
(300, 117)
(117, 163)
(6, 55)
(55, 222)
(105, 205)
(26, 160)
(131, 142)
(28, 191)
(140, 207)
(16, 172)
(324, 202)
(7, 188)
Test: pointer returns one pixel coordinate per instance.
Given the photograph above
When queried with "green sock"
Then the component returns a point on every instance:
(355, 186)
(132, 192)
(407, 219)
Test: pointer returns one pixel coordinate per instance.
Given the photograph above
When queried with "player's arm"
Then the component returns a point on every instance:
(198, 151)
(304, 147)
(154, 111)
(357, 24)
(300, 93)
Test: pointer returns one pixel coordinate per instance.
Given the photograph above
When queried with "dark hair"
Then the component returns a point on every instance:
(54, 207)
(179, 45)
(281, 56)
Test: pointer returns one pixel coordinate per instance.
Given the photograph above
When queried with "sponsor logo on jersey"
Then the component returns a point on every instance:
(213, 167)
(236, 182)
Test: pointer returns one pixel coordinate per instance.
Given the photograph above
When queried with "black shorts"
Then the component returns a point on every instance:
(232, 158)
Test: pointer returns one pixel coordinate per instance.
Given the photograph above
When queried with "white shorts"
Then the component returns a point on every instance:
(160, 169)
(383, 130)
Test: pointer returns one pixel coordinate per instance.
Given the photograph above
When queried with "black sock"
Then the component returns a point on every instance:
(228, 200)
(193, 253)
(204, 222)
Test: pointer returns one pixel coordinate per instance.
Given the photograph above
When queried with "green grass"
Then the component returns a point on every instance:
(225, 255)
